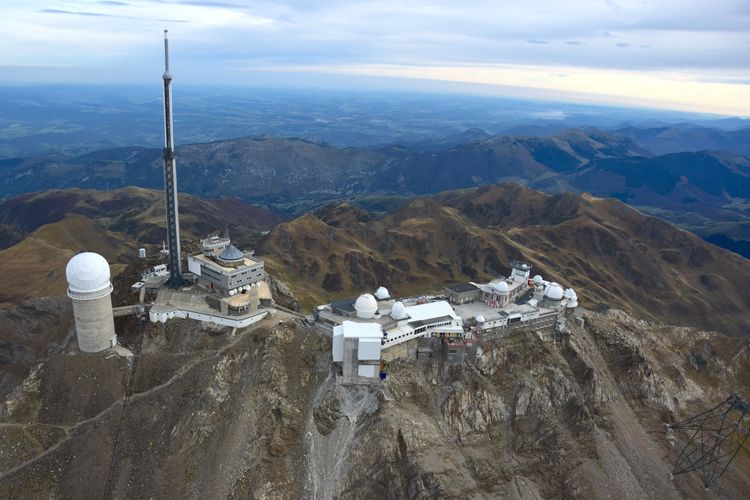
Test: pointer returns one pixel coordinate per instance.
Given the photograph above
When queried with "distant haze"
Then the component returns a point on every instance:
(688, 55)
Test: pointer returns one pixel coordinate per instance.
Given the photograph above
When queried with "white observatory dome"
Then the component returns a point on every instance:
(570, 294)
(500, 287)
(554, 292)
(382, 293)
(366, 306)
(88, 272)
(480, 319)
(538, 280)
(398, 311)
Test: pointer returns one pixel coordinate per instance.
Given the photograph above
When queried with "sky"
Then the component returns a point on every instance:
(691, 55)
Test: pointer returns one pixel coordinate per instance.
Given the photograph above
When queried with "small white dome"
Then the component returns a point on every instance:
(570, 294)
(366, 306)
(554, 292)
(87, 272)
(538, 280)
(480, 319)
(382, 293)
(398, 311)
(500, 287)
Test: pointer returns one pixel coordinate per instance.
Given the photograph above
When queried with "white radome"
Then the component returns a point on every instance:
(88, 272)
(382, 293)
(398, 311)
(366, 306)
(538, 280)
(480, 319)
(554, 292)
(500, 287)
(570, 294)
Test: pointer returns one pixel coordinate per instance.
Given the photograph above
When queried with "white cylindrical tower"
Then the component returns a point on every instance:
(90, 288)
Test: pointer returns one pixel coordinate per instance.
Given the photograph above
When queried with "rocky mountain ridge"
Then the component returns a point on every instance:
(704, 191)
(255, 413)
(280, 170)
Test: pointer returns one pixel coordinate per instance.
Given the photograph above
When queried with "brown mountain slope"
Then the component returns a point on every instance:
(137, 212)
(35, 267)
(610, 253)
(53, 226)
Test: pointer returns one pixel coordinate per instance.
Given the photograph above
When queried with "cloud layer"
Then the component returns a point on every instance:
(702, 43)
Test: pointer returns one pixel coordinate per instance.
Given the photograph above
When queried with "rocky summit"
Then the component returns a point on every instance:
(254, 413)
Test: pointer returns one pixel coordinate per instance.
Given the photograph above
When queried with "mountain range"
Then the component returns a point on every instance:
(682, 137)
(707, 192)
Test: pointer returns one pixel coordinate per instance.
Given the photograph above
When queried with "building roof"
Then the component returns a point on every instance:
(217, 266)
(352, 329)
(231, 254)
(346, 305)
(429, 321)
(462, 288)
(431, 310)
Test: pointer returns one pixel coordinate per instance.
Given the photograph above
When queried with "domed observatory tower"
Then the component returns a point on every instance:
(553, 295)
(90, 289)
(366, 306)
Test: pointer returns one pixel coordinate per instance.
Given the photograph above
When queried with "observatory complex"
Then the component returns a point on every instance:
(228, 286)
(449, 324)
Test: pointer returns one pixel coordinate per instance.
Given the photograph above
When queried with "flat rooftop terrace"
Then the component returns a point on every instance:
(247, 261)
(473, 309)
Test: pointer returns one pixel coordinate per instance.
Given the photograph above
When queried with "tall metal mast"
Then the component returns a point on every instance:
(170, 178)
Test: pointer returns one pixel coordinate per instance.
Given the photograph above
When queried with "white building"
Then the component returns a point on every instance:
(357, 346)
(433, 319)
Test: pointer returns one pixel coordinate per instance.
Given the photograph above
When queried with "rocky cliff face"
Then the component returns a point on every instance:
(210, 413)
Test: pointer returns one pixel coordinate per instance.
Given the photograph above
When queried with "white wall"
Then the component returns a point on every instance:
(194, 266)
(368, 349)
(163, 316)
(337, 345)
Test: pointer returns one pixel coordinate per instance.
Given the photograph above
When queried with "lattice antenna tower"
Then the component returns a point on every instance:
(716, 437)
(170, 179)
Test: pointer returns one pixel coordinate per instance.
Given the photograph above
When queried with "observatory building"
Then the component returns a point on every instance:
(89, 287)
(414, 327)
(224, 268)
(357, 346)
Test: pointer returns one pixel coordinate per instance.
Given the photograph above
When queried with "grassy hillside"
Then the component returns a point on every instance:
(612, 254)
(50, 227)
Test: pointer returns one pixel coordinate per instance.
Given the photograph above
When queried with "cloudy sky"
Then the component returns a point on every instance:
(680, 54)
